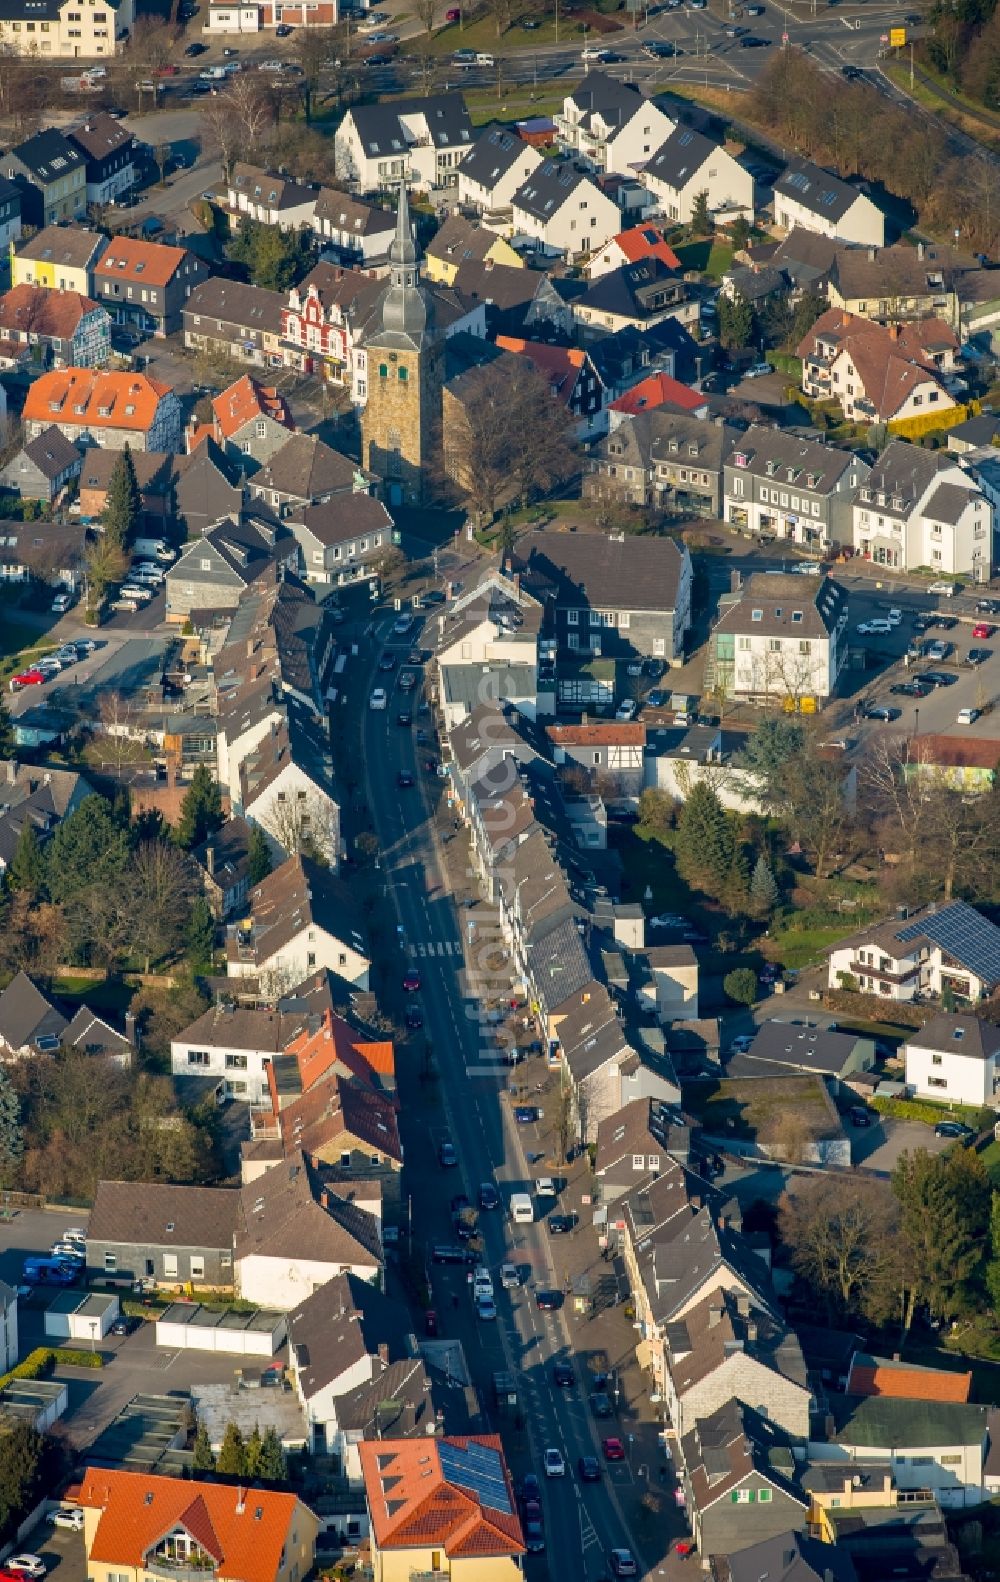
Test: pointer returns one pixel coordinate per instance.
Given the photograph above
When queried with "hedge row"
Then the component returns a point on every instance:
(38, 1364)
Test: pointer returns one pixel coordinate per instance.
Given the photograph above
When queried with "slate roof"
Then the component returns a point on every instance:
(92, 1035)
(345, 213)
(39, 155)
(345, 517)
(780, 599)
(493, 153)
(424, 1495)
(152, 1214)
(949, 502)
(628, 574)
(342, 1322)
(625, 290)
(826, 464)
(715, 1328)
(678, 160)
(787, 1046)
(295, 895)
(233, 302)
(100, 135)
(902, 473)
(898, 271)
(51, 452)
(458, 240)
(816, 189)
(788, 1557)
(643, 1126)
(614, 100)
(396, 1401)
(551, 184)
(26, 1015)
(307, 469)
(264, 186)
(501, 285)
(726, 1448)
(967, 1036)
(379, 126)
(72, 245)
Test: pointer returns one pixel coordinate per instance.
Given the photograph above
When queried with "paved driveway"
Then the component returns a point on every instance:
(63, 1552)
(879, 1147)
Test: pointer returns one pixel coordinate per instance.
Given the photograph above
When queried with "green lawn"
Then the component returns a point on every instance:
(109, 995)
(482, 35)
(991, 1159)
(750, 1107)
(709, 257)
(796, 948)
(19, 646)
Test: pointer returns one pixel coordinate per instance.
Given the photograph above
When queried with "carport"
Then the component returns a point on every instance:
(72, 1315)
(189, 1327)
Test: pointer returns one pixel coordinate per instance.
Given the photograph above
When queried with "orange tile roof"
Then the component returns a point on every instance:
(244, 1530)
(336, 1041)
(413, 1504)
(645, 241)
(85, 395)
(620, 733)
(871, 1376)
(149, 263)
(244, 401)
(658, 390)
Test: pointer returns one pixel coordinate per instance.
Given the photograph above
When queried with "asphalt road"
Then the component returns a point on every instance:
(581, 1522)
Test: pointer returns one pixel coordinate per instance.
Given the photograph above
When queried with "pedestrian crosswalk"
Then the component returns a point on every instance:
(436, 947)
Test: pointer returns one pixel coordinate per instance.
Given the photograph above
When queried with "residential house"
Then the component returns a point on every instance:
(10, 214)
(284, 788)
(951, 945)
(890, 284)
(782, 486)
(339, 1124)
(654, 391)
(782, 1047)
(38, 794)
(667, 982)
(156, 474)
(109, 150)
(741, 1484)
(514, 300)
(635, 296)
(237, 1045)
(107, 409)
(347, 1333)
(305, 471)
(879, 373)
(257, 194)
(302, 917)
(146, 284)
(30, 1024)
(295, 1231)
(457, 242)
(358, 234)
(962, 762)
(52, 553)
(603, 1069)
(955, 1059)
(921, 508)
(609, 751)
(560, 210)
(252, 16)
(56, 329)
(207, 491)
(42, 467)
(610, 124)
(250, 422)
(976, 433)
(633, 246)
(663, 458)
(327, 1045)
(889, 1376)
(497, 164)
(319, 324)
(939, 1447)
(788, 1557)
(342, 540)
(137, 1522)
(213, 572)
(441, 1503)
(220, 315)
(224, 860)
(785, 638)
(689, 166)
(571, 376)
(418, 141)
(806, 195)
(487, 639)
(92, 1035)
(52, 175)
(727, 1348)
(61, 257)
(611, 596)
(171, 1235)
(634, 1142)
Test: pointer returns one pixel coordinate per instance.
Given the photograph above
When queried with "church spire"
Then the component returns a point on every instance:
(403, 252)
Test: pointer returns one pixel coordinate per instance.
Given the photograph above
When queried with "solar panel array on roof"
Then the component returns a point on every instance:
(963, 933)
(479, 1468)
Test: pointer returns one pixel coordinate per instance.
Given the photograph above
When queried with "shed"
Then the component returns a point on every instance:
(36, 1401)
(80, 1315)
(187, 1326)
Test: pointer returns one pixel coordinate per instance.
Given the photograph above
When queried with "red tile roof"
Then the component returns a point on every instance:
(617, 733)
(658, 390)
(956, 752)
(870, 1376)
(35, 310)
(335, 1042)
(645, 241)
(414, 1505)
(560, 365)
(890, 360)
(245, 1530)
(147, 263)
(243, 402)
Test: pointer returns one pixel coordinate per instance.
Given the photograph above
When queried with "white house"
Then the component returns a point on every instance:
(784, 640)
(924, 508)
(610, 125)
(234, 1044)
(954, 1058)
(879, 373)
(934, 947)
(561, 210)
(270, 199)
(689, 164)
(782, 486)
(420, 142)
(809, 196)
(942, 1448)
(487, 645)
(294, 1232)
(498, 163)
(359, 232)
(284, 789)
(302, 919)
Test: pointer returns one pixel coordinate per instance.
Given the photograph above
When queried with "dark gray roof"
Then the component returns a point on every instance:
(623, 290)
(51, 452)
(552, 184)
(773, 606)
(49, 155)
(458, 240)
(344, 517)
(788, 1557)
(755, 285)
(680, 158)
(502, 285)
(382, 135)
(100, 135)
(791, 1046)
(783, 451)
(495, 150)
(230, 301)
(291, 1207)
(26, 1015)
(151, 1214)
(18, 10)
(264, 186)
(92, 1035)
(620, 574)
(340, 1323)
(73, 245)
(345, 213)
(642, 1126)
(307, 468)
(395, 1403)
(467, 683)
(816, 189)
(949, 501)
(615, 101)
(901, 475)
(967, 1036)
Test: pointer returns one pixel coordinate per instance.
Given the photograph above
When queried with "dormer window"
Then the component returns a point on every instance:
(756, 615)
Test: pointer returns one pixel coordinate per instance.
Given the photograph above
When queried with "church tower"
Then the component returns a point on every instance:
(401, 419)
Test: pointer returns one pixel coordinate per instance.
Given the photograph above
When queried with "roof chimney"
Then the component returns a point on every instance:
(130, 1029)
(920, 250)
(210, 860)
(715, 1315)
(383, 1352)
(872, 254)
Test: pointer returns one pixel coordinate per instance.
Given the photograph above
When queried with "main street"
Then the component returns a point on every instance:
(582, 1522)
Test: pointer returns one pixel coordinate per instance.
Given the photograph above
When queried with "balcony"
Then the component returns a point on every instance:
(196, 1567)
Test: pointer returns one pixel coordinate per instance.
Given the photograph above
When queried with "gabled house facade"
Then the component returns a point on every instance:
(560, 210)
(921, 508)
(497, 164)
(688, 164)
(610, 125)
(780, 486)
(302, 918)
(269, 199)
(109, 149)
(421, 142)
(955, 1059)
(108, 409)
(785, 639)
(805, 195)
(935, 947)
(879, 373)
(51, 172)
(146, 284)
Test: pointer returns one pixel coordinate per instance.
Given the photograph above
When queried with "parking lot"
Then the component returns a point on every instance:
(63, 1552)
(882, 1145)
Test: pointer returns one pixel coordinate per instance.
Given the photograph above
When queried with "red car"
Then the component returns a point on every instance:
(430, 1322)
(28, 678)
(983, 629)
(411, 983)
(613, 1449)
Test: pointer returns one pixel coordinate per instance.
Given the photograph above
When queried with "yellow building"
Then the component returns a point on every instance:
(138, 1526)
(60, 257)
(67, 29)
(458, 241)
(444, 1506)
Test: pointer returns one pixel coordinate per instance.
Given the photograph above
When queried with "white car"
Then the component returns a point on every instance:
(61, 603)
(137, 591)
(894, 616)
(84, 645)
(592, 54)
(545, 1187)
(403, 624)
(945, 589)
(68, 1249)
(26, 1565)
(74, 1233)
(967, 716)
(627, 711)
(874, 628)
(68, 1516)
(667, 920)
(482, 1286)
(377, 699)
(808, 568)
(759, 370)
(555, 1466)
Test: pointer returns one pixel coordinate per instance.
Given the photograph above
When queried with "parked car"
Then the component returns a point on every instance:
(967, 716)
(859, 1116)
(613, 1448)
(525, 1114)
(563, 1376)
(61, 603)
(28, 678)
(489, 1197)
(983, 629)
(623, 1563)
(882, 712)
(978, 656)
(600, 1404)
(447, 1156)
(26, 1566)
(627, 711)
(560, 1224)
(548, 1301)
(938, 650)
(69, 1517)
(939, 678)
(952, 1129)
(555, 1466)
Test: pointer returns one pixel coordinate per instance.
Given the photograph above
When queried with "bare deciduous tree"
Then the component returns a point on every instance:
(159, 885)
(507, 437)
(122, 736)
(309, 826)
(837, 1233)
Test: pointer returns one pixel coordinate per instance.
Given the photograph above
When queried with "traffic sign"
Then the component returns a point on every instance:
(897, 37)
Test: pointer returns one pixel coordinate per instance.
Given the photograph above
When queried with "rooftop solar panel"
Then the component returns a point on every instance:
(479, 1468)
(960, 930)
